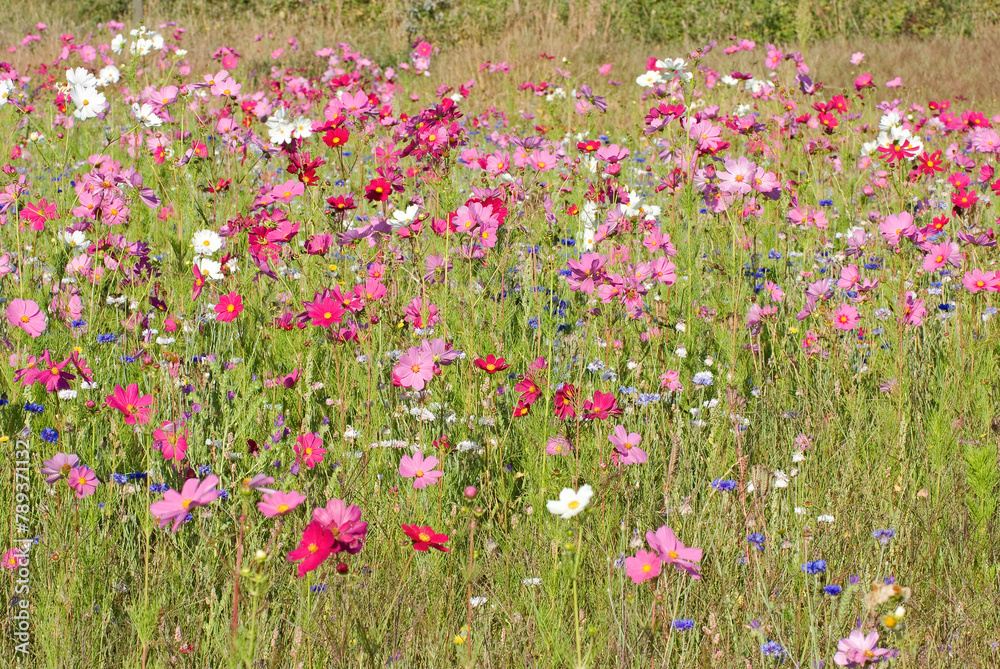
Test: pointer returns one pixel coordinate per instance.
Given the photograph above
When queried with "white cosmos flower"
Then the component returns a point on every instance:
(6, 88)
(780, 479)
(80, 77)
(108, 75)
(570, 502)
(118, 43)
(89, 102)
(648, 80)
(145, 114)
(401, 219)
(478, 601)
(302, 128)
(209, 267)
(75, 239)
(206, 242)
(825, 518)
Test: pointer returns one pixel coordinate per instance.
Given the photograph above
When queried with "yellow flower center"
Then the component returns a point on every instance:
(868, 654)
(309, 451)
(25, 319)
(186, 503)
(282, 508)
(55, 370)
(672, 554)
(416, 368)
(420, 473)
(647, 568)
(423, 537)
(890, 621)
(231, 308)
(491, 367)
(574, 504)
(328, 315)
(313, 548)
(81, 481)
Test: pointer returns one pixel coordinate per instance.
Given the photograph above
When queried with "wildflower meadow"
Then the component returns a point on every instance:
(318, 359)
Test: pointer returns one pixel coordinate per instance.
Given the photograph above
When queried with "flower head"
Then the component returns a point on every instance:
(672, 551)
(570, 502)
(423, 538)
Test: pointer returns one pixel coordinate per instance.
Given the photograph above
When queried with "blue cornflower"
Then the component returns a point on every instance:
(50, 435)
(642, 399)
(814, 567)
(774, 255)
(826, 203)
(224, 495)
(683, 624)
(34, 408)
(533, 322)
(627, 390)
(158, 487)
(77, 324)
(883, 536)
(119, 479)
(725, 485)
(106, 338)
(773, 649)
(318, 588)
(757, 539)
(136, 476)
(4, 401)
(204, 470)
(889, 580)
(703, 379)
(832, 590)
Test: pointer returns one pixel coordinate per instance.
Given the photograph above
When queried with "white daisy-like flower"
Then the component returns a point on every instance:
(144, 113)
(649, 79)
(210, 268)
(570, 502)
(206, 242)
(780, 479)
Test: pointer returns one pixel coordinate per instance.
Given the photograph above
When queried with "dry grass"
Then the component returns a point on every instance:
(937, 68)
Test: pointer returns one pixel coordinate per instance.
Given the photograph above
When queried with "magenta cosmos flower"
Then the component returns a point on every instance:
(672, 551)
(228, 308)
(604, 405)
(26, 314)
(59, 466)
(644, 566)
(175, 506)
(415, 369)
(942, 254)
(309, 450)
(315, 546)
(845, 317)
(627, 446)
(82, 480)
(857, 649)
(279, 503)
(345, 522)
(128, 401)
(420, 469)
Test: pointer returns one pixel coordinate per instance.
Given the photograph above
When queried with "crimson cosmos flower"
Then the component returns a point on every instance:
(424, 538)
(492, 364)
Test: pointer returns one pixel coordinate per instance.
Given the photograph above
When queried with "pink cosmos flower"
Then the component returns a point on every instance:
(942, 254)
(13, 559)
(896, 226)
(857, 57)
(314, 547)
(171, 440)
(849, 276)
(309, 450)
(420, 469)
(857, 649)
(175, 506)
(82, 480)
(845, 317)
(913, 310)
(977, 280)
(671, 380)
(345, 523)
(128, 401)
(738, 176)
(39, 213)
(644, 566)
(627, 446)
(279, 503)
(26, 314)
(59, 466)
(558, 445)
(672, 551)
(415, 368)
(228, 308)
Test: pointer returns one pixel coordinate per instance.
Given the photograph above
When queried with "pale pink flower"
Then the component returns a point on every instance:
(27, 315)
(627, 446)
(279, 503)
(420, 469)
